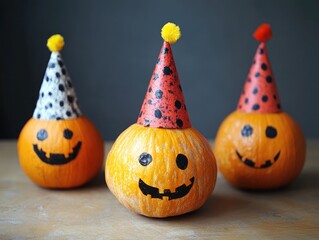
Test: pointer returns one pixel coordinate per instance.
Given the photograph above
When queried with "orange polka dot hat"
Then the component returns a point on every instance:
(164, 104)
(260, 93)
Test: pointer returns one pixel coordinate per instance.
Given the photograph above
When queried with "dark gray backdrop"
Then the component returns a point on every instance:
(112, 46)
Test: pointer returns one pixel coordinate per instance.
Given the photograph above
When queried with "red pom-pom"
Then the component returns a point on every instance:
(263, 33)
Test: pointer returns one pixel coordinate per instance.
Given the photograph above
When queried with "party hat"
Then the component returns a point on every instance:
(164, 103)
(260, 92)
(57, 98)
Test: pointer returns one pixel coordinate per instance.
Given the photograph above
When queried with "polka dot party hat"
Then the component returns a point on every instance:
(57, 98)
(260, 91)
(164, 104)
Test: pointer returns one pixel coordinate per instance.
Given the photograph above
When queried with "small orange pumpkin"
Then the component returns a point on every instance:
(60, 154)
(259, 146)
(259, 150)
(161, 172)
(161, 166)
(58, 147)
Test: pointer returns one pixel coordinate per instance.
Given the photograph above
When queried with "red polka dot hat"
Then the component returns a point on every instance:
(164, 103)
(57, 98)
(260, 93)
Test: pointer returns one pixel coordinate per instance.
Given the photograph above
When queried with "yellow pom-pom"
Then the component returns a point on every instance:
(171, 32)
(55, 43)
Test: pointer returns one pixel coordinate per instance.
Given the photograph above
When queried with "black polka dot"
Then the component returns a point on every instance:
(47, 78)
(70, 84)
(39, 115)
(68, 113)
(158, 113)
(59, 118)
(261, 51)
(179, 123)
(159, 94)
(61, 103)
(63, 71)
(269, 79)
(255, 91)
(246, 100)
(278, 106)
(167, 71)
(165, 50)
(61, 87)
(255, 107)
(50, 105)
(257, 74)
(275, 97)
(50, 93)
(51, 65)
(60, 63)
(42, 94)
(150, 89)
(264, 98)
(178, 104)
(271, 132)
(57, 74)
(264, 66)
(155, 76)
(158, 61)
(70, 99)
(149, 101)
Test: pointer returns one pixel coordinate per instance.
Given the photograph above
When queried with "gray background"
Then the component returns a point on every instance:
(112, 46)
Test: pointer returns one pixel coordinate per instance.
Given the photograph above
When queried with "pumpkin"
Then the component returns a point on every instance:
(161, 172)
(259, 150)
(59, 147)
(60, 154)
(259, 146)
(161, 166)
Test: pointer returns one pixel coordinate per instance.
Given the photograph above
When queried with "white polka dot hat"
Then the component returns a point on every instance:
(57, 98)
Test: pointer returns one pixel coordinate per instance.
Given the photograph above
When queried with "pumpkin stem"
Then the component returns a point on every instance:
(55, 43)
(263, 33)
(171, 32)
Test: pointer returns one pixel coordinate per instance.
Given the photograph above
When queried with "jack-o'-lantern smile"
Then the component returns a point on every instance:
(56, 158)
(270, 133)
(250, 163)
(181, 191)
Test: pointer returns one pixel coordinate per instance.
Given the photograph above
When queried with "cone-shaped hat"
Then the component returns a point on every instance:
(57, 98)
(260, 92)
(164, 103)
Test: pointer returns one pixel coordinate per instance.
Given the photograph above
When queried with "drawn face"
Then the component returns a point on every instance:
(56, 158)
(181, 162)
(161, 172)
(247, 131)
(259, 150)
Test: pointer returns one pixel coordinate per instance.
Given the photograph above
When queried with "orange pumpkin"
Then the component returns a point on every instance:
(161, 172)
(259, 150)
(161, 166)
(59, 147)
(60, 154)
(259, 146)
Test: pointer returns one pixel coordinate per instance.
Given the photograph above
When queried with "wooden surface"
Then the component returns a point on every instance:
(92, 212)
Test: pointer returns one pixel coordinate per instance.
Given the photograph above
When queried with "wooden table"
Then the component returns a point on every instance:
(92, 212)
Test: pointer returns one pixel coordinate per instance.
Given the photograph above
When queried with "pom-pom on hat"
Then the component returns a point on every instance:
(57, 98)
(260, 92)
(164, 103)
